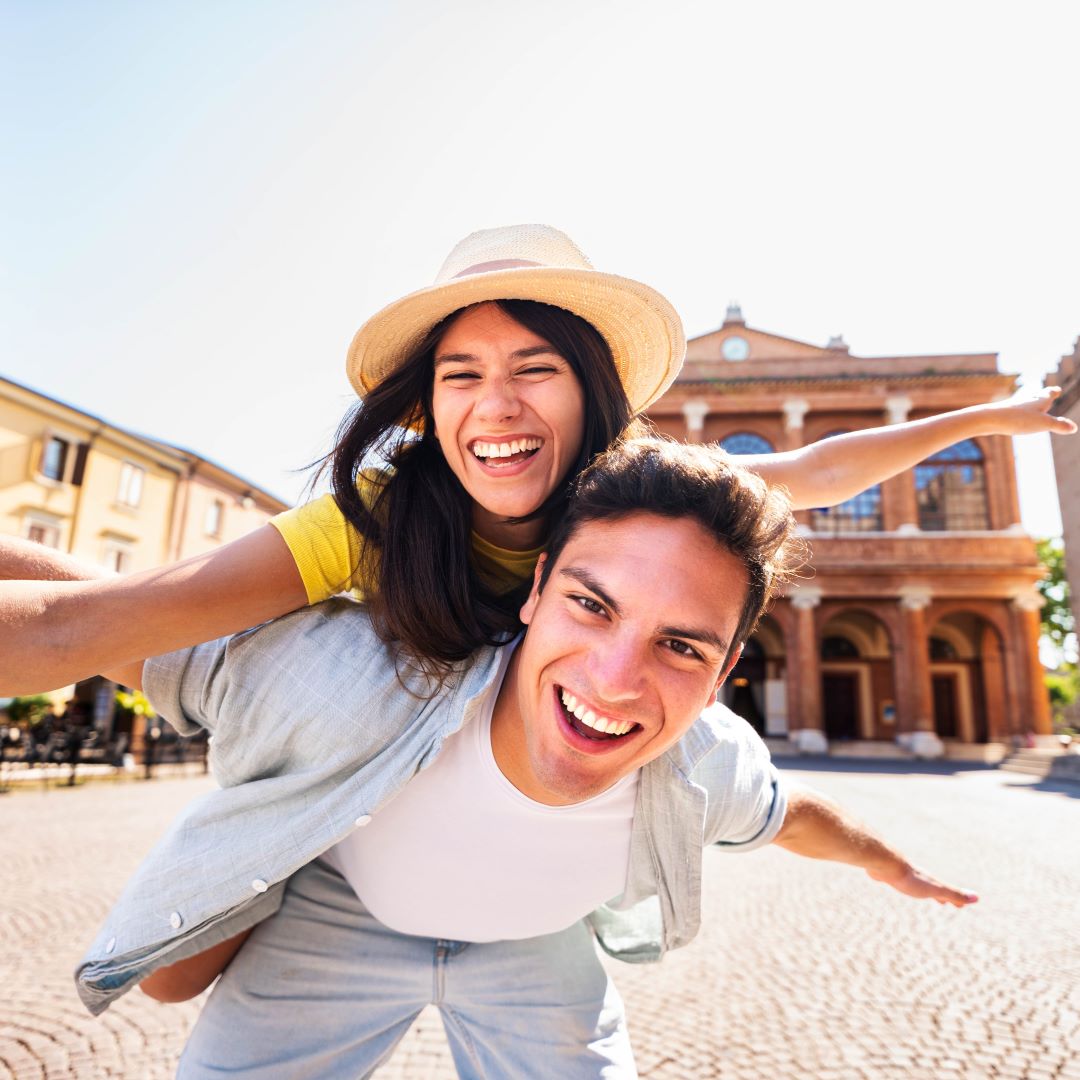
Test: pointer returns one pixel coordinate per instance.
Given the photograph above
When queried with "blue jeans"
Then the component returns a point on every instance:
(322, 989)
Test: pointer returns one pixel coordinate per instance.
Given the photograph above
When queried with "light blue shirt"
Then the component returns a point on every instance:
(313, 728)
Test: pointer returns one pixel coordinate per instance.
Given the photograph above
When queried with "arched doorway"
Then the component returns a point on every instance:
(856, 678)
(747, 686)
(967, 678)
(756, 687)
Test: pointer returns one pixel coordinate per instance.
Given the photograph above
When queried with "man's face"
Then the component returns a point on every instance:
(626, 646)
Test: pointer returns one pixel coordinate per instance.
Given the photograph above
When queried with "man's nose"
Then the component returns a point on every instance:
(498, 402)
(616, 671)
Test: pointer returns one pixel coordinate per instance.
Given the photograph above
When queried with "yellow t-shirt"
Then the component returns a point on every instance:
(326, 548)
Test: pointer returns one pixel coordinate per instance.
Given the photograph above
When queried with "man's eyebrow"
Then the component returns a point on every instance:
(583, 577)
(517, 354)
(706, 637)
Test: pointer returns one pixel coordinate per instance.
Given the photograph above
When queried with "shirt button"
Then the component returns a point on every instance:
(175, 920)
(259, 885)
(363, 819)
(110, 945)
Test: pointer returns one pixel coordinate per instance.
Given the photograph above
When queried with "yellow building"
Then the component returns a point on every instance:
(111, 497)
(83, 485)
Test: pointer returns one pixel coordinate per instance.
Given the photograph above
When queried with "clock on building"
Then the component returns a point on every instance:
(735, 348)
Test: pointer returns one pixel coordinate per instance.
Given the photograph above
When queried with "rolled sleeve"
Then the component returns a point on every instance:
(747, 796)
(182, 687)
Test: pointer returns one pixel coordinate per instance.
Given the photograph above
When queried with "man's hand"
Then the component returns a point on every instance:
(913, 882)
(819, 829)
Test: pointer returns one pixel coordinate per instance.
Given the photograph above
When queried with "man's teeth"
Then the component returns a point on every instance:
(505, 449)
(590, 719)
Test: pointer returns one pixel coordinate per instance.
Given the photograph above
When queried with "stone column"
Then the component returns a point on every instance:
(1002, 501)
(913, 676)
(804, 675)
(795, 410)
(1036, 701)
(994, 685)
(695, 412)
(899, 510)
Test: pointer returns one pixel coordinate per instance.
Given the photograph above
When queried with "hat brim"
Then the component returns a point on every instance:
(642, 329)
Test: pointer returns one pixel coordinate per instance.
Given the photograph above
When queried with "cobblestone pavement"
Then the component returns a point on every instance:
(802, 969)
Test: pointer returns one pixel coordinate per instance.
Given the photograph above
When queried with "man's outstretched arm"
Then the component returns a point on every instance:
(819, 829)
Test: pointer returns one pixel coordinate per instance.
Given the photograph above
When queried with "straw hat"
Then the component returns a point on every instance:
(531, 262)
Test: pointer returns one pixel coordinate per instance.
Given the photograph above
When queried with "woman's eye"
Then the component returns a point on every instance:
(538, 369)
(460, 376)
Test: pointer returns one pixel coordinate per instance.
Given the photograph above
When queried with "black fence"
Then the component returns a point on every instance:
(48, 747)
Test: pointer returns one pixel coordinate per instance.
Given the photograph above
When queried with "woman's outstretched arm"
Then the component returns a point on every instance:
(56, 632)
(828, 472)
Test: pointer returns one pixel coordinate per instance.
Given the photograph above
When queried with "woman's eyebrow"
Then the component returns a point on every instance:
(517, 354)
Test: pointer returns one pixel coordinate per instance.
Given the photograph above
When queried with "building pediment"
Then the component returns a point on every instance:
(737, 351)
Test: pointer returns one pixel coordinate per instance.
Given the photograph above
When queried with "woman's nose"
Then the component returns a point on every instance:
(498, 402)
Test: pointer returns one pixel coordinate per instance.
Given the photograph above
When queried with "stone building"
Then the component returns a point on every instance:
(1067, 468)
(920, 624)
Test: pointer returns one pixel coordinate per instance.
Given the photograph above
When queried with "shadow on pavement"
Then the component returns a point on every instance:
(889, 766)
(893, 767)
(1050, 787)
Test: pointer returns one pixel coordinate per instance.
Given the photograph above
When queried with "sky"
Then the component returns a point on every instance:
(201, 202)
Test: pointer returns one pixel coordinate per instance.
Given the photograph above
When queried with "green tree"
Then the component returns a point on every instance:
(1057, 618)
(28, 711)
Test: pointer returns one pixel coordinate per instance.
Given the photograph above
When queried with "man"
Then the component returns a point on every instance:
(464, 848)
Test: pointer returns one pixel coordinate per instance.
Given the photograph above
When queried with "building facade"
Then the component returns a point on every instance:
(82, 485)
(113, 498)
(920, 622)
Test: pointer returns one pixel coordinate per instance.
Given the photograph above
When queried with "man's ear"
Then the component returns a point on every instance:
(529, 606)
(731, 662)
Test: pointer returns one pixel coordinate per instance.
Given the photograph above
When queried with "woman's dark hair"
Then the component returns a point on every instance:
(426, 596)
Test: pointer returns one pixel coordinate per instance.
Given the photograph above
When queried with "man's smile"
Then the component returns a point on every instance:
(587, 730)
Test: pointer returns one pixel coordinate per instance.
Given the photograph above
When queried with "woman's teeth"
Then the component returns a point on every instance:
(505, 449)
(598, 723)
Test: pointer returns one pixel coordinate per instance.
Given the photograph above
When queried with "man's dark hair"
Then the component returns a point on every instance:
(425, 594)
(679, 480)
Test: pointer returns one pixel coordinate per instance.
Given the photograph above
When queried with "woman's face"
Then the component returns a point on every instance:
(509, 415)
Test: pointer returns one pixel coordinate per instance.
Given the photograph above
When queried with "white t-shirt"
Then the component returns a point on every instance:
(461, 854)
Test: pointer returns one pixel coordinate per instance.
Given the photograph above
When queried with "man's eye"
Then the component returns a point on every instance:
(681, 648)
(592, 606)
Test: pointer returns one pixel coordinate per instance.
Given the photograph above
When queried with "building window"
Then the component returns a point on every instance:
(42, 529)
(836, 647)
(129, 493)
(746, 442)
(940, 649)
(116, 555)
(215, 517)
(54, 456)
(861, 513)
(951, 489)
